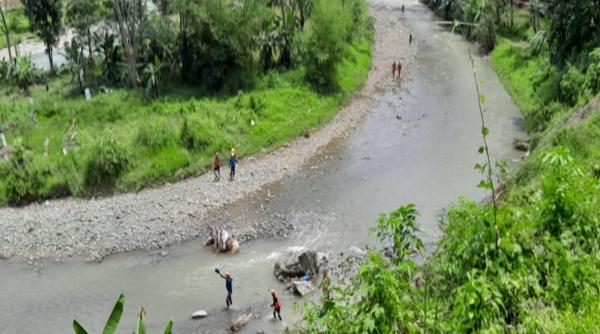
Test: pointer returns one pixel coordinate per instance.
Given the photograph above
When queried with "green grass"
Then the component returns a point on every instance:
(18, 26)
(282, 107)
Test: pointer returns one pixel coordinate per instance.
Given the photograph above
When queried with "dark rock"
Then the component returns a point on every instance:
(521, 145)
(307, 263)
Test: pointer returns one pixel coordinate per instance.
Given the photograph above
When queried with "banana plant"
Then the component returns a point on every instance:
(115, 317)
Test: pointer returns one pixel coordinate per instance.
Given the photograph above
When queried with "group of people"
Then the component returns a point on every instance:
(229, 301)
(397, 68)
(232, 164)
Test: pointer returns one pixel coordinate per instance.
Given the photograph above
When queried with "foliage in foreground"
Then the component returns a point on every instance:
(115, 317)
(541, 275)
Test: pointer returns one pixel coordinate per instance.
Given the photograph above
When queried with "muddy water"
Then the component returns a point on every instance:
(418, 145)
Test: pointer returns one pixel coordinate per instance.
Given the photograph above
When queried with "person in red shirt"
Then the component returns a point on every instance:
(276, 306)
(217, 167)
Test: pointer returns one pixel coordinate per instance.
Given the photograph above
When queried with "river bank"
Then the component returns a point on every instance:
(156, 218)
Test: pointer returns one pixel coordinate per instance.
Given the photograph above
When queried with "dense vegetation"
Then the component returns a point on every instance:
(190, 79)
(531, 264)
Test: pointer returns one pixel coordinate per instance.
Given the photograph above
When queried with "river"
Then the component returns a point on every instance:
(419, 145)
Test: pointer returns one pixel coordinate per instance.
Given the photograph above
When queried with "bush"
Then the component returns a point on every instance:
(154, 135)
(198, 132)
(23, 184)
(107, 160)
(573, 87)
(326, 45)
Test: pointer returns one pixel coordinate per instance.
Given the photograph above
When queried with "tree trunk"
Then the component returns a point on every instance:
(512, 14)
(127, 44)
(302, 18)
(6, 33)
(50, 57)
(90, 51)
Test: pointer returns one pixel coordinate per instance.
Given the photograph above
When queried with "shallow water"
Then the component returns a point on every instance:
(425, 158)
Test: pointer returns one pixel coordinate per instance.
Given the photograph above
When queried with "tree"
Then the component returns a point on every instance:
(6, 32)
(45, 17)
(82, 15)
(574, 27)
(220, 41)
(130, 14)
(326, 43)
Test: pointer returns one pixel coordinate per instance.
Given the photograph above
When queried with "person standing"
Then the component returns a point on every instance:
(399, 69)
(410, 39)
(394, 70)
(276, 306)
(232, 164)
(228, 286)
(217, 167)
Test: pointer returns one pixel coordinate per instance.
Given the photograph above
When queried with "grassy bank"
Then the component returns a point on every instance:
(167, 139)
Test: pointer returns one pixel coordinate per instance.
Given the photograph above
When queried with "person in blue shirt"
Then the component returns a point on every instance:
(232, 164)
(228, 286)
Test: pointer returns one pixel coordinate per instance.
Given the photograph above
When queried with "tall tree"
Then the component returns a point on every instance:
(45, 21)
(130, 14)
(6, 32)
(82, 15)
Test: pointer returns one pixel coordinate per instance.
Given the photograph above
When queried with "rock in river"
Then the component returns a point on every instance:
(302, 288)
(199, 314)
(306, 264)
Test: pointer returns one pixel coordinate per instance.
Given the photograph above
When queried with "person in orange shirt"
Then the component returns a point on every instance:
(276, 306)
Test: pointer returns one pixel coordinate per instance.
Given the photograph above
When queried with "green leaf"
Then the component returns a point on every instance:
(485, 131)
(169, 327)
(482, 98)
(481, 150)
(141, 328)
(115, 316)
(78, 328)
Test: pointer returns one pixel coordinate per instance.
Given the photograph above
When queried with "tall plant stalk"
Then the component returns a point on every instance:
(486, 150)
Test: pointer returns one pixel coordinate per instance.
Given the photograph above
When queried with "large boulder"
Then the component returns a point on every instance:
(305, 264)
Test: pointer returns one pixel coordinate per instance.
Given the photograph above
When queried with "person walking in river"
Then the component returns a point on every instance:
(217, 167)
(232, 164)
(394, 70)
(276, 306)
(228, 286)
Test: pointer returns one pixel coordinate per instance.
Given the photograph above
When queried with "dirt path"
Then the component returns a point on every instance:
(156, 218)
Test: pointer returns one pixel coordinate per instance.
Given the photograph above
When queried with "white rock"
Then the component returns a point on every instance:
(199, 314)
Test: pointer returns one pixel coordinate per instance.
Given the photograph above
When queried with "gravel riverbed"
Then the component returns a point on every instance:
(89, 229)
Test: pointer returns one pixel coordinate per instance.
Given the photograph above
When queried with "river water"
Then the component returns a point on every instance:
(426, 158)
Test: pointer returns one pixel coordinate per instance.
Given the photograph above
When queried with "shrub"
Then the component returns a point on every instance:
(154, 135)
(198, 132)
(573, 86)
(23, 184)
(107, 160)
